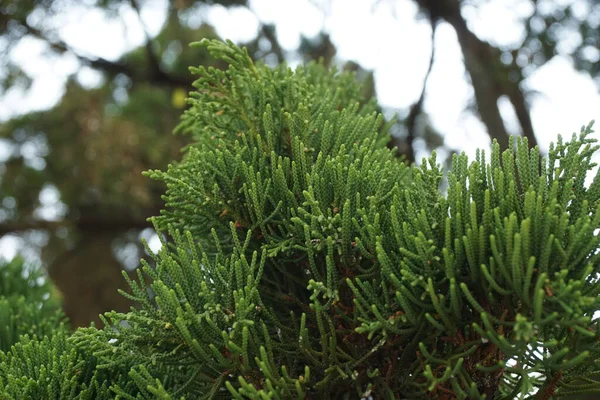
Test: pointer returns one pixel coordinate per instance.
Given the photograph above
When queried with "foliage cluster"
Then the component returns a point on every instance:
(305, 260)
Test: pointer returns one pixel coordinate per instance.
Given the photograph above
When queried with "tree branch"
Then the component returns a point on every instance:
(517, 98)
(111, 68)
(417, 108)
(97, 224)
(268, 32)
(157, 72)
(490, 78)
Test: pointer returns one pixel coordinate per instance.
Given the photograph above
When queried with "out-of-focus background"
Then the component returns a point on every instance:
(90, 91)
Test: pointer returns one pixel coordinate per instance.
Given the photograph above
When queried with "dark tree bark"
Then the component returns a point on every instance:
(89, 277)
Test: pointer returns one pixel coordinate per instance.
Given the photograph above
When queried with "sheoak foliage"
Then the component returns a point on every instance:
(305, 260)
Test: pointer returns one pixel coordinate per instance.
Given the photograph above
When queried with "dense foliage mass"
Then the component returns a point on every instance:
(28, 306)
(304, 260)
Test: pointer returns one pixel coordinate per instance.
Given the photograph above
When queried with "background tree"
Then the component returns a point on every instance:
(497, 71)
(90, 148)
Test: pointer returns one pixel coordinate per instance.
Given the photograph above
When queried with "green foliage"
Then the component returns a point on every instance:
(312, 266)
(273, 175)
(28, 304)
(17, 278)
(49, 368)
(38, 358)
(305, 261)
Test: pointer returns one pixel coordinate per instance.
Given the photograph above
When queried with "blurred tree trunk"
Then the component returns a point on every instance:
(89, 277)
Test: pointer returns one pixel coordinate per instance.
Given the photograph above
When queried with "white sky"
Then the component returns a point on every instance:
(384, 35)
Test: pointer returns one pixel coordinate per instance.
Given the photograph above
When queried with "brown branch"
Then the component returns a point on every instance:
(517, 98)
(549, 387)
(112, 68)
(417, 108)
(268, 31)
(157, 72)
(96, 224)
(490, 78)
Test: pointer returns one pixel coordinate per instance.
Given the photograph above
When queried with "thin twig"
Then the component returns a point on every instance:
(417, 108)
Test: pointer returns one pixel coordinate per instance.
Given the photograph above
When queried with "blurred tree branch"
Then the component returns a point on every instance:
(417, 108)
(491, 79)
(98, 224)
(156, 76)
(157, 72)
(268, 31)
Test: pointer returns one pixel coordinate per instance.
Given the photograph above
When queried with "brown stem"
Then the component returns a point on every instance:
(547, 390)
